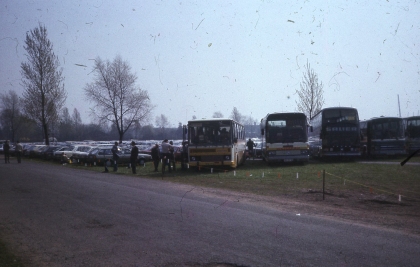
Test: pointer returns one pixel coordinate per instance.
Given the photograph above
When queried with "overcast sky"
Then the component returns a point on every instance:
(199, 57)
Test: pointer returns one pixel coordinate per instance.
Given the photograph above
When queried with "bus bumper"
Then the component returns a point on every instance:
(296, 158)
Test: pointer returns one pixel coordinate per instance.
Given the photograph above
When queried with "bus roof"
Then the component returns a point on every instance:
(412, 118)
(212, 119)
(382, 117)
(332, 108)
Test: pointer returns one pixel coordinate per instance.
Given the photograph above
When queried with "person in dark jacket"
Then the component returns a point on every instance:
(115, 156)
(6, 150)
(250, 144)
(172, 157)
(166, 148)
(133, 157)
(155, 153)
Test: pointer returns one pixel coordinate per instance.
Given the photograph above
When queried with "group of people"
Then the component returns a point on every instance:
(133, 158)
(18, 151)
(166, 155)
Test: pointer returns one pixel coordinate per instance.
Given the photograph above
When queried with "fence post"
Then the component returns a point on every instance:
(323, 185)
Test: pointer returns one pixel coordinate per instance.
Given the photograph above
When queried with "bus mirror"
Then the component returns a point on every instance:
(235, 140)
(262, 131)
(311, 128)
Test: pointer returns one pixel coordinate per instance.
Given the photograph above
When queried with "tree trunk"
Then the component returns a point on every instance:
(47, 140)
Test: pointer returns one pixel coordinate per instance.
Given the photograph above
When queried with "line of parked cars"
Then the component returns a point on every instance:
(95, 154)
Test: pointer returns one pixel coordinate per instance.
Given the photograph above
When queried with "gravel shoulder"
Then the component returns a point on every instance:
(381, 211)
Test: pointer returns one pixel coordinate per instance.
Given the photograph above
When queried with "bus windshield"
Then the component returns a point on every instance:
(210, 132)
(387, 129)
(413, 128)
(286, 129)
(341, 116)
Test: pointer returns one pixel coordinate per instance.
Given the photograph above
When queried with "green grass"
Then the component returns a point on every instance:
(294, 180)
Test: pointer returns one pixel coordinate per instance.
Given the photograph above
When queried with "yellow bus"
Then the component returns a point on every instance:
(216, 142)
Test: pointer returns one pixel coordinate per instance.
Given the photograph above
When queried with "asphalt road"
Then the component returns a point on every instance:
(52, 215)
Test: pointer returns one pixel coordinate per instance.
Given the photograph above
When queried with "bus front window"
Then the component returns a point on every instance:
(210, 133)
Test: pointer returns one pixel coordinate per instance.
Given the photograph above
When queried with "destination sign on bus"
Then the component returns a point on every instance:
(341, 129)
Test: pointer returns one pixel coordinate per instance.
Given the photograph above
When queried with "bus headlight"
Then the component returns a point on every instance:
(227, 157)
(272, 153)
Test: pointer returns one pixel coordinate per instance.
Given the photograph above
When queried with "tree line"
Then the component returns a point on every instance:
(120, 107)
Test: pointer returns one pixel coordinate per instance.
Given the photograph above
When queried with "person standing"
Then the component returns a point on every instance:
(250, 144)
(166, 147)
(115, 156)
(155, 153)
(6, 150)
(172, 157)
(19, 149)
(133, 157)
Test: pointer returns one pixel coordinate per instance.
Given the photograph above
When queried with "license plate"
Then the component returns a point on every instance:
(288, 160)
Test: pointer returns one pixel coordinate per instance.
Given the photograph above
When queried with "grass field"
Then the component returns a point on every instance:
(256, 177)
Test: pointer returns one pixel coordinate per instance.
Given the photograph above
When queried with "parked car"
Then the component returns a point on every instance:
(80, 154)
(48, 152)
(33, 151)
(101, 154)
(59, 152)
(126, 154)
(69, 152)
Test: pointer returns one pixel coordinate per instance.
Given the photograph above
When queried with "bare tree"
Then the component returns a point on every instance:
(76, 121)
(248, 120)
(235, 115)
(217, 114)
(116, 96)
(65, 128)
(311, 93)
(10, 115)
(162, 121)
(44, 94)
